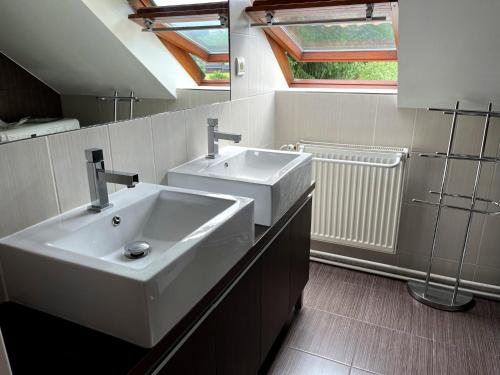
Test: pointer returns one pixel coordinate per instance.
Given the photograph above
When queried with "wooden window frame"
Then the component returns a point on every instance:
(281, 44)
(179, 46)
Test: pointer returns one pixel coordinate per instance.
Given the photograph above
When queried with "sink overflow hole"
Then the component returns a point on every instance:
(116, 220)
(226, 165)
(137, 249)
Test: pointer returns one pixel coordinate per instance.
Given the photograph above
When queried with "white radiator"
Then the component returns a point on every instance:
(357, 201)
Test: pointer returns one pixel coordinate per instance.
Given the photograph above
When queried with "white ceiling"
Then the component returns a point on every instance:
(88, 47)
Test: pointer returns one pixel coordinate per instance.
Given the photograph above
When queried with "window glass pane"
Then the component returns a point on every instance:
(367, 71)
(343, 37)
(213, 41)
(180, 2)
(213, 71)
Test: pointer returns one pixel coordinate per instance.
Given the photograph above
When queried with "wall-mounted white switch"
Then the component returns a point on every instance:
(240, 66)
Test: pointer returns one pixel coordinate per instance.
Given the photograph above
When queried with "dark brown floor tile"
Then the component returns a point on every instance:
(421, 356)
(383, 351)
(389, 310)
(294, 362)
(319, 276)
(454, 360)
(311, 292)
(495, 309)
(496, 331)
(354, 277)
(357, 371)
(470, 329)
(388, 284)
(343, 299)
(324, 334)
(423, 319)
(319, 272)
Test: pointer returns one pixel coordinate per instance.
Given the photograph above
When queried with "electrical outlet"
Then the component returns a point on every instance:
(240, 66)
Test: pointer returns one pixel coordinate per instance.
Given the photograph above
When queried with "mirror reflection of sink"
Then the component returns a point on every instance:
(274, 179)
(74, 265)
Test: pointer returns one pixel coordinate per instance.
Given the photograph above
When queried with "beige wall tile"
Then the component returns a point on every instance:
(240, 122)
(393, 126)
(356, 118)
(413, 261)
(489, 252)
(196, 131)
(487, 275)
(68, 159)
(240, 47)
(416, 228)
(169, 142)
(286, 125)
(261, 122)
(424, 174)
(451, 236)
(28, 193)
(432, 130)
(316, 115)
(132, 148)
(263, 74)
(449, 268)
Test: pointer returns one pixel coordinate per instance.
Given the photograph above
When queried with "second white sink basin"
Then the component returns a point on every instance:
(73, 266)
(274, 179)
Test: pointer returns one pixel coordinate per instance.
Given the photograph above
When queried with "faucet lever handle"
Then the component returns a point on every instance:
(213, 122)
(94, 155)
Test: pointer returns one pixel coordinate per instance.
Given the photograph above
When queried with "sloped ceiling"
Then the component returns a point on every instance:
(88, 47)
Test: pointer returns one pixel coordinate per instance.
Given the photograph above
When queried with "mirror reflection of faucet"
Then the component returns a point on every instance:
(214, 135)
(98, 177)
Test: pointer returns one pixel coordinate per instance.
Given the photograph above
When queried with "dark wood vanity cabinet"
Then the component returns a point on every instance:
(300, 239)
(275, 289)
(238, 326)
(197, 356)
(239, 333)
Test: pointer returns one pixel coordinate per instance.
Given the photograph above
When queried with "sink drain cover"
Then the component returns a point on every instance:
(137, 249)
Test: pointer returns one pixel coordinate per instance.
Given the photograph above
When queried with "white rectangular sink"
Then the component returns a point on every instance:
(274, 179)
(73, 266)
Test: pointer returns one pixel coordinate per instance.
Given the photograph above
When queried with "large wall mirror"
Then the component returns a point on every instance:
(67, 65)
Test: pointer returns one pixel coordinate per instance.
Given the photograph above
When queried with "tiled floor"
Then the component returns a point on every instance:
(359, 324)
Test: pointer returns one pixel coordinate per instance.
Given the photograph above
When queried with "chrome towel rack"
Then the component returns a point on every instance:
(439, 296)
(116, 98)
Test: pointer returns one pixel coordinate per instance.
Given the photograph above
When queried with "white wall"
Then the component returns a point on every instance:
(449, 50)
(375, 119)
(263, 72)
(88, 47)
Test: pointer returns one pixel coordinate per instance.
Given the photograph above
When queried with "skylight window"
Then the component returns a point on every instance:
(213, 41)
(194, 31)
(341, 36)
(320, 45)
(347, 37)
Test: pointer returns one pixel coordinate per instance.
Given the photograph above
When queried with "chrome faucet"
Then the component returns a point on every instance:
(98, 176)
(214, 135)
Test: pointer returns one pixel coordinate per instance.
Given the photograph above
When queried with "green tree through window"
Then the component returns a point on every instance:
(367, 71)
